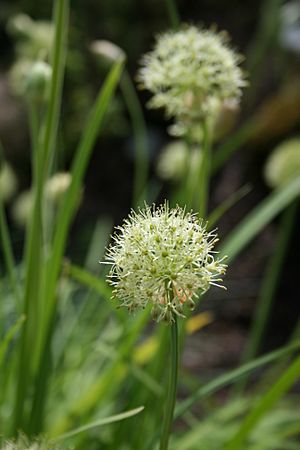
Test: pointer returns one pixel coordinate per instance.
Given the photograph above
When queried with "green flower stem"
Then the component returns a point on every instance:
(173, 13)
(204, 172)
(140, 137)
(172, 388)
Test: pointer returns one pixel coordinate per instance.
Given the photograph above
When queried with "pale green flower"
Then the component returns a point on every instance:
(176, 159)
(191, 73)
(284, 163)
(163, 257)
(37, 80)
(34, 37)
(57, 185)
(22, 208)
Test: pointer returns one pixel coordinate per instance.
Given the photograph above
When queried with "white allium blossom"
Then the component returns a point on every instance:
(163, 257)
(191, 73)
(284, 163)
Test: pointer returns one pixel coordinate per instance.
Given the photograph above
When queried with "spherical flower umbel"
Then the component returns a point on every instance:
(163, 257)
(283, 165)
(191, 73)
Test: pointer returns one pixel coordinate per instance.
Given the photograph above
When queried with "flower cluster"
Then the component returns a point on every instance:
(191, 73)
(163, 257)
(284, 163)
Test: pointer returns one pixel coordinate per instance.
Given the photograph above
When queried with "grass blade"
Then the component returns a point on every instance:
(101, 422)
(11, 333)
(258, 218)
(264, 404)
(229, 378)
(64, 219)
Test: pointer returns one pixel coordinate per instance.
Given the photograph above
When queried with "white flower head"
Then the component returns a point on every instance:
(284, 163)
(191, 73)
(163, 257)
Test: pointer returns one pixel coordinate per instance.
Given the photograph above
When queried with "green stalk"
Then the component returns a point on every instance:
(173, 13)
(204, 173)
(172, 388)
(197, 178)
(140, 137)
(8, 253)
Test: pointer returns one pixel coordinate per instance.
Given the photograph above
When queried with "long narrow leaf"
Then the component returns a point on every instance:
(64, 219)
(101, 422)
(264, 404)
(258, 218)
(11, 333)
(229, 378)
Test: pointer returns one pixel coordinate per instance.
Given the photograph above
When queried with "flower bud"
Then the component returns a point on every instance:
(107, 50)
(8, 182)
(283, 164)
(57, 185)
(22, 208)
(37, 81)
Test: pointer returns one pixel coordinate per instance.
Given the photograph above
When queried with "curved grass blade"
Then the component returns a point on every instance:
(101, 422)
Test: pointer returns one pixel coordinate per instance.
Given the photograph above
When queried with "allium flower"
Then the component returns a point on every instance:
(284, 163)
(163, 257)
(191, 73)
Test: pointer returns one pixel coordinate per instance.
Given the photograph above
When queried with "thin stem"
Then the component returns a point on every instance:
(140, 137)
(172, 388)
(173, 13)
(8, 252)
(204, 171)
